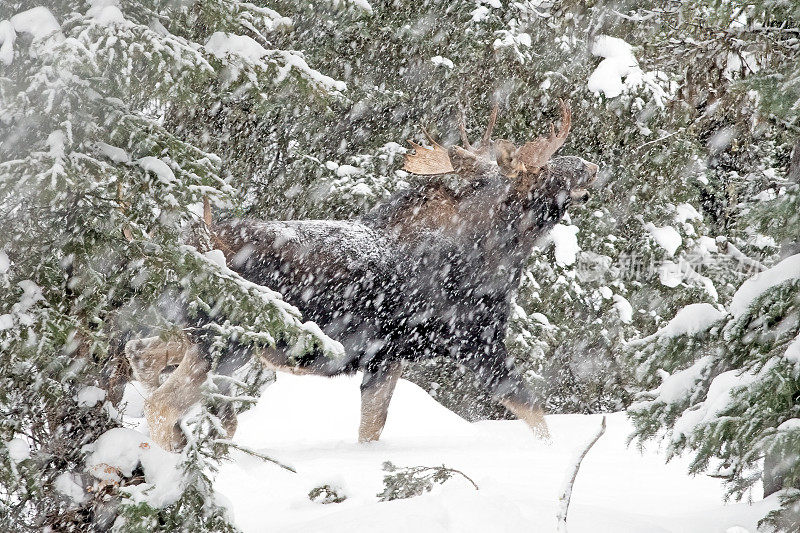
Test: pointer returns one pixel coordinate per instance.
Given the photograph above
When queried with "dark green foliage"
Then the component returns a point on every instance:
(326, 494)
(96, 204)
(407, 482)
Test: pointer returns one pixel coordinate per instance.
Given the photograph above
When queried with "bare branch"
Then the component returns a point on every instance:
(570, 478)
(254, 453)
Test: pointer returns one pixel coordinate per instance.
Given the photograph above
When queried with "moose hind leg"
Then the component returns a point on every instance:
(510, 391)
(149, 358)
(169, 402)
(376, 392)
(529, 411)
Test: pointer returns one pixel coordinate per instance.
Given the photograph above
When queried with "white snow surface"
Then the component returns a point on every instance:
(38, 21)
(68, 484)
(719, 397)
(684, 212)
(311, 423)
(566, 243)
(106, 12)
(439, 60)
(624, 308)
(222, 44)
(793, 351)
(121, 450)
(618, 63)
(751, 289)
(89, 396)
(158, 167)
(7, 38)
(18, 450)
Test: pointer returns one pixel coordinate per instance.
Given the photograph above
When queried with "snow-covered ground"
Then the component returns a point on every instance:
(311, 423)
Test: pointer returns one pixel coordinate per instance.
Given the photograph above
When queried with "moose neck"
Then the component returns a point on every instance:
(516, 228)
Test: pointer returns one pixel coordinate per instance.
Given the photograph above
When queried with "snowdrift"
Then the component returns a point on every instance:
(311, 423)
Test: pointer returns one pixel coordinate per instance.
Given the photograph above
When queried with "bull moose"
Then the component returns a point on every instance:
(430, 272)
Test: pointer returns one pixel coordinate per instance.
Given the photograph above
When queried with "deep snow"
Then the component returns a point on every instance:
(311, 423)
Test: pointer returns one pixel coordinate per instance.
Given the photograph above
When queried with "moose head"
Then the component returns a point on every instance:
(508, 187)
(525, 165)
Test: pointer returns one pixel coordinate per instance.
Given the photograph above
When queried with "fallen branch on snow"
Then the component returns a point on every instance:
(569, 481)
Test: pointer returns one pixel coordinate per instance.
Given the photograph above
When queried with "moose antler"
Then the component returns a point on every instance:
(428, 161)
(529, 158)
(535, 154)
(441, 160)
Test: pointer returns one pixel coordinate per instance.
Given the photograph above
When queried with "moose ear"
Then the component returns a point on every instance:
(464, 161)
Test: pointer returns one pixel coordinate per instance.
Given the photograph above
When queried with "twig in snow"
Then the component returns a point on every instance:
(569, 481)
(254, 453)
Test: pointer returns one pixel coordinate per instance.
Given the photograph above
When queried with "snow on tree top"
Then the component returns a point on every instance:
(619, 62)
(666, 236)
(106, 12)
(751, 289)
(690, 320)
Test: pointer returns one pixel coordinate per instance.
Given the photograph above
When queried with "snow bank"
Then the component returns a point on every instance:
(312, 422)
(566, 243)
(751, 289)
(618, 63)
(117, 452)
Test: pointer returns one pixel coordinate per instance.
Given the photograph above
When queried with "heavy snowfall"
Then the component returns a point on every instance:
(365, 265)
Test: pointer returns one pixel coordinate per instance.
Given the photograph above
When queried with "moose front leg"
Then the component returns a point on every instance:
(524, 406)
(376, 391)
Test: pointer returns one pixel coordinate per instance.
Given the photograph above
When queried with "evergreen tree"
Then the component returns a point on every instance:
(723, 380)
(98, 191)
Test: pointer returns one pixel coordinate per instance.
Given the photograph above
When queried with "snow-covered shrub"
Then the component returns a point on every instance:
(725, 385)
